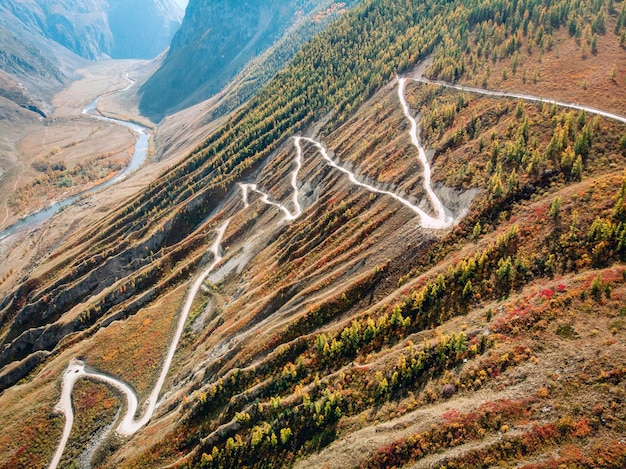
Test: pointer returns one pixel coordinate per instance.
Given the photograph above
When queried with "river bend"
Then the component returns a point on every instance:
(137, 160)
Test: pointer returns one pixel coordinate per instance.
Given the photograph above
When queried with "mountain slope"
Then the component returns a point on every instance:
(218, 39)
(96, 29)
(40, 42)
(41, 65)
(345, 319)
(142, 29)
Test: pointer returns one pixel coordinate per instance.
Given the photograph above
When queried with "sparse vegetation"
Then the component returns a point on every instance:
(350, 318)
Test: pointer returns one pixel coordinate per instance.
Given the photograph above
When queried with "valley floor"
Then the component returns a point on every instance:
(69, 140)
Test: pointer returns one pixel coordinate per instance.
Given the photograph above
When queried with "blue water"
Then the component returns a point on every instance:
(137, 160)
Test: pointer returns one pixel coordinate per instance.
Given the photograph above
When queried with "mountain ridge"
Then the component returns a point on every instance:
(211, 49)
(351, 316)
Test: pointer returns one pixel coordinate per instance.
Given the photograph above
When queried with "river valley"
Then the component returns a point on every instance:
(137, 160)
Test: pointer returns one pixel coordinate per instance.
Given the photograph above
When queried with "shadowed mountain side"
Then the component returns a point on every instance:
(97, 29)
(221, 39)
(142, 29)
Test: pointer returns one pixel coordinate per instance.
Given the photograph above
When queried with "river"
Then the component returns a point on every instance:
(137, 160)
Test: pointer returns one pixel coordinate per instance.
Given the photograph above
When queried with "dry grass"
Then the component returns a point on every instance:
(564, 74)
(556, 338)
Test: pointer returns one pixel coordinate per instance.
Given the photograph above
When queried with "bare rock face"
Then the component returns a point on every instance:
(96, 29)
(11, 375)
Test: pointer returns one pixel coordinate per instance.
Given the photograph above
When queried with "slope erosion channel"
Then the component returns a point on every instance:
(129, 423)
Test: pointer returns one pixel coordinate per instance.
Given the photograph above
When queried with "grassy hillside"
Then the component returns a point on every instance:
(350, 336)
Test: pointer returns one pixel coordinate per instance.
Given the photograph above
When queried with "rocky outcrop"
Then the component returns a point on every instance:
(220, 38)
(96, 29)
(34, 340)
(17, 371)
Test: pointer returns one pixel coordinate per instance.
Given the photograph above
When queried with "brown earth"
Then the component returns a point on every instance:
(572, 346)
(565, 73)
(71, 137)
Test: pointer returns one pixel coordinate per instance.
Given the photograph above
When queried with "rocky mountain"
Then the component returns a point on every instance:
(407, 250)
(95, 29)
(33, 66)
(219, 39)
(142, 28)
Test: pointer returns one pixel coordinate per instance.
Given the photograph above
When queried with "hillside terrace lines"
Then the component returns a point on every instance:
(129, 425)
(76, 370)
(442, 220)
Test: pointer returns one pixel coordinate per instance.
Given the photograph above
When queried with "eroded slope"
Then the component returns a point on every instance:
(350, 322)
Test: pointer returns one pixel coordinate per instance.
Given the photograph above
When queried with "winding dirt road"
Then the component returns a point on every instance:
(442, 221)
(77, 370)
(130, 424)
(525, 97)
